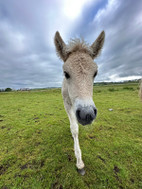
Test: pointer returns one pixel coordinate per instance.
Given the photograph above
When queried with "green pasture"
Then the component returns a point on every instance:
(36, 146)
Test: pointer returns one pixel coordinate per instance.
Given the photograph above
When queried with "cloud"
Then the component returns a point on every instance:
(122, 23)
(27, 28)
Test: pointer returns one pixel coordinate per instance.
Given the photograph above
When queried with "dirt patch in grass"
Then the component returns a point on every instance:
(69, 157)
(116, 171)
(132, 180)
(33, 165)
(24, 166)
(4, 187)
(102, 159)
(3, 127)
(56, 185)
(3, 169)
(92, 136)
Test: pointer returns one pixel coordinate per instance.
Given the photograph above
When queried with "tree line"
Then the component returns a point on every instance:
(6, 90)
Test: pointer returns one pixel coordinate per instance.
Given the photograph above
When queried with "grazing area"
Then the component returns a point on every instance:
(36, 149)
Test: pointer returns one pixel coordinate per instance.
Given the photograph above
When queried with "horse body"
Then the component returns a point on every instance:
(77, 89)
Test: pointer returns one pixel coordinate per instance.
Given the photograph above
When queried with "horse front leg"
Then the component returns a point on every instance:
(77, 150)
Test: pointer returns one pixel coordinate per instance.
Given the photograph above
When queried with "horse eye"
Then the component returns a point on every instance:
(95, 74)
(67, 75)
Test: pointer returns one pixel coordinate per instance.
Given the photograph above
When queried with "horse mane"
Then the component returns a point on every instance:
(80, 45)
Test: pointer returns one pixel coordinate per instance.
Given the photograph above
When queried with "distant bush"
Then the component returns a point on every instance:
(111, 89)
(8, 89)
(97, 91)
(128, 88)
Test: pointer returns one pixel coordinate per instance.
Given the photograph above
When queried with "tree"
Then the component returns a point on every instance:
(8, 89)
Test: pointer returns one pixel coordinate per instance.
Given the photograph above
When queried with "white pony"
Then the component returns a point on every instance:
(77, 89)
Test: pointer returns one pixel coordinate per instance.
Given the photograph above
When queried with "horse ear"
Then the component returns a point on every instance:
(98, 44)
(60, 46)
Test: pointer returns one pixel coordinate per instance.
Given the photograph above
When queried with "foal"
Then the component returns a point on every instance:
(77, 89)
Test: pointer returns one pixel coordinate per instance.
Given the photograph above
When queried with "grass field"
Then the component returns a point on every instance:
(36, 147)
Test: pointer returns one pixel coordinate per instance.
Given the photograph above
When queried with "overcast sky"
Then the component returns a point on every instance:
(27, 27)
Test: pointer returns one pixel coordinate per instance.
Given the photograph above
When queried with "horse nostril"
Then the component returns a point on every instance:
(78, 114)
(95, 111)
(89, 117)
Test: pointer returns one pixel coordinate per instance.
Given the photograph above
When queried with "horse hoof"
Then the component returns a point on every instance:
(81, 171)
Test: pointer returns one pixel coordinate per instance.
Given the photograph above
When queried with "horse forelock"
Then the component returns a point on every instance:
(80, 45)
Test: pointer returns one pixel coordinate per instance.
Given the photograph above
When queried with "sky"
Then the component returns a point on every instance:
(27, 27)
